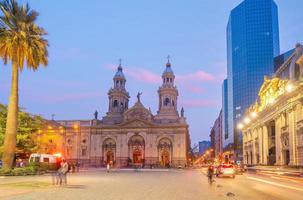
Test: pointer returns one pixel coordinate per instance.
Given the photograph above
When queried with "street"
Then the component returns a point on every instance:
(155, 184)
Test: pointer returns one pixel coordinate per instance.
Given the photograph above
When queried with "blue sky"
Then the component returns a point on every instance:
(87, 40)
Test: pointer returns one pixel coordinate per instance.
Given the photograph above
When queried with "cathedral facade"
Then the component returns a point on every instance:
(125, 136)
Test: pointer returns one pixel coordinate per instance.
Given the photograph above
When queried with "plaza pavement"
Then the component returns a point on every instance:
(151, 185)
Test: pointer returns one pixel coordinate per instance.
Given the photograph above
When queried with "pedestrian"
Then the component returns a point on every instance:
(78, 166)
(63, 172)
(108, 167)
(21, 163)
(73, 167)
(210, 173)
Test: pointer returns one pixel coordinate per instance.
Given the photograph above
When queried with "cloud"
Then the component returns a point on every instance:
(199, 103)
(194, 89)
(138, 74)
(198, 76)
(144, 75)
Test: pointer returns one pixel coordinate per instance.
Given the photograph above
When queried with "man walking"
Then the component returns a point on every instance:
(63, 172)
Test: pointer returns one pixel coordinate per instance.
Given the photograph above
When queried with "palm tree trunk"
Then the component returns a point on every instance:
(11, 122)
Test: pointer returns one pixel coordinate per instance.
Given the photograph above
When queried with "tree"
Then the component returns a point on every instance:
(21, 43)
(28, 125)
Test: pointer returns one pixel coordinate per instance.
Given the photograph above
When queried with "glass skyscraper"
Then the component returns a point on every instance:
(252, 43)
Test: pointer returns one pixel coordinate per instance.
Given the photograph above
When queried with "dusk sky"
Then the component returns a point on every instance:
(88, 38)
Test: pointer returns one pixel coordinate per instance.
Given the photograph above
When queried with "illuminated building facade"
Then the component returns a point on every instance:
(127, 136)
(273, 126)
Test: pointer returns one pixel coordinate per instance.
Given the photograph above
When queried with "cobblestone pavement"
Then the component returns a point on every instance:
(151, 185)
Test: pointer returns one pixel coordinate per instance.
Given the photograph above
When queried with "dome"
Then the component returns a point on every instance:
(168, 69)
(119, 73)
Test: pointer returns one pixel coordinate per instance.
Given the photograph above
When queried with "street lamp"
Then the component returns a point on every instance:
(247, 120)
(240, 126)
(253, 115)
(289, 87)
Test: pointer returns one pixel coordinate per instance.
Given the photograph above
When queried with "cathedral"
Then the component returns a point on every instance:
(125, 136)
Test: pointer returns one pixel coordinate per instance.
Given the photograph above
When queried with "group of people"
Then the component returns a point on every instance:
(60, 176)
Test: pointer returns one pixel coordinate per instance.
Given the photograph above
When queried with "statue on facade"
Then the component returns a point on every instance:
(138, 96)
(96, 115)
(182, 112)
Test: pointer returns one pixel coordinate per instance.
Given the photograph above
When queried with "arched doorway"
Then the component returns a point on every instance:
(137, 156)
(165, 158)
(110, 158)
(109, 151)
(136, 148)
(165, 152)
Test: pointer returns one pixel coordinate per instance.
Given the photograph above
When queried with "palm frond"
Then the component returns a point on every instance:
(21, 40)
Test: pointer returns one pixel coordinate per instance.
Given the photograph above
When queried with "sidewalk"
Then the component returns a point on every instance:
(92, 169)
(278, 170)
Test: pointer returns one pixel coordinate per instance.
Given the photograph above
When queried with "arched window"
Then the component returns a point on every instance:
(115, 103)
(166, 101)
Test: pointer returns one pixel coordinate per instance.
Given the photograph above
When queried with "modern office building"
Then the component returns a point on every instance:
(252, 44)
(225, 140)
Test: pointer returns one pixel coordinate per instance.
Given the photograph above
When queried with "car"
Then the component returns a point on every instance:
(240, 168)
(226, 170)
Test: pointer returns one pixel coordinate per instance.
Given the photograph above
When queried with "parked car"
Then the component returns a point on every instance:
(226, 170)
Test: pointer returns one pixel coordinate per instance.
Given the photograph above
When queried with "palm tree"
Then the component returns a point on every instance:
(21, 44)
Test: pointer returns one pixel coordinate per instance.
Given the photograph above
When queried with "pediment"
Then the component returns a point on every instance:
(137, 112)
(136, 123)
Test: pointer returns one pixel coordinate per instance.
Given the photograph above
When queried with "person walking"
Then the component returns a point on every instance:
(108, 167)
(78, 166)
(210, 174)
(63, 172)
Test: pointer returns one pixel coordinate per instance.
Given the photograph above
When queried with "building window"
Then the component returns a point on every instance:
(83, 152)
(166, 102)
(115, 104)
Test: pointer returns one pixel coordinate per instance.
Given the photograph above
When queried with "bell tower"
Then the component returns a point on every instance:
(118, 98)
(168, 95)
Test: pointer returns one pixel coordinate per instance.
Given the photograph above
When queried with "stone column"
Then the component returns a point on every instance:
(265, 144)
(253, 134)
(260, 149)
(278, 144)
(244, 148)
(292, 137)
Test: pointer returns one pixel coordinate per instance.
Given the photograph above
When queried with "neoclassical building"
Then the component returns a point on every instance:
(273, 126)
(125, 136)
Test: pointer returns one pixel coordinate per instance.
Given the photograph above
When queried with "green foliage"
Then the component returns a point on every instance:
(30, 170)
(28, 124)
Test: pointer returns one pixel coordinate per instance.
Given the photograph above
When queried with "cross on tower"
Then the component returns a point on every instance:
(168, 57)
(120, 62)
